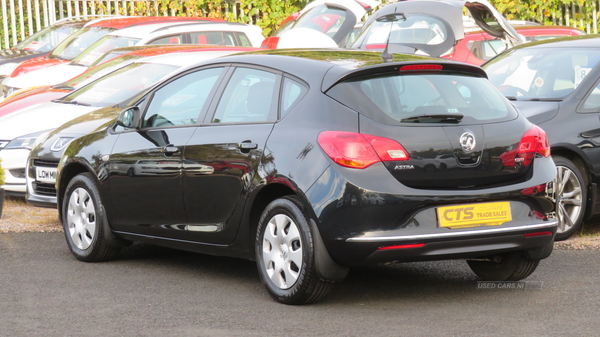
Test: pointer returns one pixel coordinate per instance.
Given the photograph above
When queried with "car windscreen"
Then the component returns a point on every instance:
(47, 39)
(98, 48)
(541, 73)
(100, 70)
(396, 99)
(120, 84)
(78, 42)
(333, 21)
(415, 29)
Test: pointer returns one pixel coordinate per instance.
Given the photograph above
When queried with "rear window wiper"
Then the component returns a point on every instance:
(437, 118)
(70, 102)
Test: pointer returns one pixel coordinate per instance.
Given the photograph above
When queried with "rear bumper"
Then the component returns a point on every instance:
(376, 219)
(453, 245)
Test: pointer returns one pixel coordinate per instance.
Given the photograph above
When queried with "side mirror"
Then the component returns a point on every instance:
(129, 118)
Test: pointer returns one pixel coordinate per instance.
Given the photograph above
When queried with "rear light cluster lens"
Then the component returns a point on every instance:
(533, 142)
(270, 42)
(356, 150)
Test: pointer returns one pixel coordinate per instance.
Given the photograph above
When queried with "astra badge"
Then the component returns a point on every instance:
(467, 142)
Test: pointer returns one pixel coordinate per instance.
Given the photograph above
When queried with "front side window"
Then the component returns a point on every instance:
(248, 97)
(181, 101)
(394, 98)
(120, 84)
(541, 73)
(592, 102)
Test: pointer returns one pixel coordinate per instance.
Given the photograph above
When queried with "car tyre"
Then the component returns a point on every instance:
(285, 254)
(513, 266)
(84, 221)
(569, 192)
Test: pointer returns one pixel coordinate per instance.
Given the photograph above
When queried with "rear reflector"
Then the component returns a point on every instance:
(420, 67)
(356, 150)
(531, 235)
(414, 245)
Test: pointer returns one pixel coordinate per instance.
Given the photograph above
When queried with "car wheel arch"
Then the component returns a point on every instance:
(66, 175)
(259, 202)
(584, 164)
(575, 155)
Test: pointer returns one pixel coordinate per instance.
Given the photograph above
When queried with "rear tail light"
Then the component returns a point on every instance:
(355, 150)
(270, 42)
(533, 142)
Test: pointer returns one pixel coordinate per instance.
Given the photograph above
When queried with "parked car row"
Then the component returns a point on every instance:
(309, 161)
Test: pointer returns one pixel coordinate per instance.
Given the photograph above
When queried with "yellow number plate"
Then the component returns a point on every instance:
(474, 215)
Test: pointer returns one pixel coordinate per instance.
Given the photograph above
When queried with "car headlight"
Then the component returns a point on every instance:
(26, 141)
(7, 68)
(60, 143)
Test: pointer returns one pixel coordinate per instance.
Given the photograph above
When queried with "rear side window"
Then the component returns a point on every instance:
(292, 93)
(248, 97)
(392, 98)
(216, 38)
(172, 39)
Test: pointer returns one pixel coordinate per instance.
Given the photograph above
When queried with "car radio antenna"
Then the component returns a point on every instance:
(391, 18)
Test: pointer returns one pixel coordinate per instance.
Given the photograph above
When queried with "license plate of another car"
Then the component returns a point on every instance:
(474, 215)
(45, 174)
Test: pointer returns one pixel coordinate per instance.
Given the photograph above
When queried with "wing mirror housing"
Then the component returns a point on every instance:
(129, 118)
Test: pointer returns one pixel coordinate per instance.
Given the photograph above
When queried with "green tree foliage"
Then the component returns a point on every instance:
(1, 174)
(548, 12)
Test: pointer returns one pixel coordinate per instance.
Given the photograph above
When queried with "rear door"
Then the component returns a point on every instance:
(223, 156)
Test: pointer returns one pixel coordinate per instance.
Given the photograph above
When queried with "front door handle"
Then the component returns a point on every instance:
(248, 146)
(169, 149)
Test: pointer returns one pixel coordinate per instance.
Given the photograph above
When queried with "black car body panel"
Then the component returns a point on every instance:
(203, 185)
(572, 129)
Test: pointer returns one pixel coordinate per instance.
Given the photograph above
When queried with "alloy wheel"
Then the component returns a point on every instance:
(568, 195)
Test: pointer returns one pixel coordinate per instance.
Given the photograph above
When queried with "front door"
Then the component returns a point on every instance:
(146, 163)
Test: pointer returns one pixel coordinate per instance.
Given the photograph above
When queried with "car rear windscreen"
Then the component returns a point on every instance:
(399, 98)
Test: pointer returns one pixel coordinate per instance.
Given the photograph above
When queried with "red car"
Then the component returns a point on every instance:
(76, 43)
(110, 61)
(478, 47)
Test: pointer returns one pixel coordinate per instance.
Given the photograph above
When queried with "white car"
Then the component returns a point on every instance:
(20, 130)
(213, 33)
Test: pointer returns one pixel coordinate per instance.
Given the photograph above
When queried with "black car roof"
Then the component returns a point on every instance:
(311, 64)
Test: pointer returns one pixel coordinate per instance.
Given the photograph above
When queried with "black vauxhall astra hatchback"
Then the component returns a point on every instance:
(312, 162)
